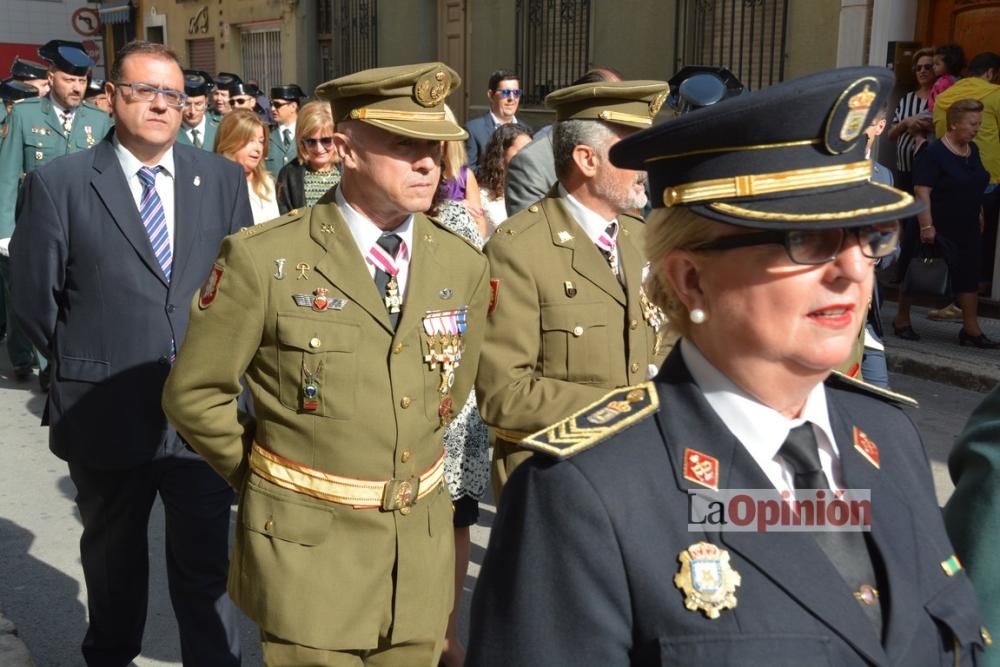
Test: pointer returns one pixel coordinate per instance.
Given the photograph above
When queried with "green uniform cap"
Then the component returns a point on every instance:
(631, 103)
(406, 100)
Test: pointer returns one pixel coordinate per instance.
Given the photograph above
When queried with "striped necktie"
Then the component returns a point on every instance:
(154, 219)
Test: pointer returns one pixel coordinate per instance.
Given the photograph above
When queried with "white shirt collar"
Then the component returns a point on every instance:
(366, 233)
(282, 128)
(759, 428)
(131, 164)
(593, 224)
(200, 127)
(498, 121)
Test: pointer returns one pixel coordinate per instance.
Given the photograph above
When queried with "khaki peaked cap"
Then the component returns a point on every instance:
(407, 100)
(631, 103)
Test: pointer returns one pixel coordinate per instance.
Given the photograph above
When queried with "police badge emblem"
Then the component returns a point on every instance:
(707, 579)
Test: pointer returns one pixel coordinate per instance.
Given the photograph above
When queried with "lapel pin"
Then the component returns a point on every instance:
(701, 469)
(866, 447)
(707, 579)
(326, 227)
(197, 181)
(445, 293)
(565, 236)
(303, 269)
(280, 265)
(570, 288)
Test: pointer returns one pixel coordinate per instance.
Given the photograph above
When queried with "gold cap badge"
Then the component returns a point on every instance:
(707, 579)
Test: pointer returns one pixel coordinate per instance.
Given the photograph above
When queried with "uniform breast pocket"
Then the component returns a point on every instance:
(764, 650)
(37, 149)
(317, 365)
(575, 342)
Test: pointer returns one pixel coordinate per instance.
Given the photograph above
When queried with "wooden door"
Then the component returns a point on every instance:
(973, 24)
(452, 50)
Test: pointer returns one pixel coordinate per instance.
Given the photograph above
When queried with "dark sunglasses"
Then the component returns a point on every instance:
(507, 92)
(312, 142)
(926, 68)
(278, 105)
(818, 246)
(240, 101)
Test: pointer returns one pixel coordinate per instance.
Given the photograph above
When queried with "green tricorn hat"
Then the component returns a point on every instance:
(406, 100)
(631, 103)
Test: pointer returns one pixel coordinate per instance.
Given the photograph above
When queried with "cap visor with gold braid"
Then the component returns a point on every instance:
(790, 156)
(407, 100)
(630, 103)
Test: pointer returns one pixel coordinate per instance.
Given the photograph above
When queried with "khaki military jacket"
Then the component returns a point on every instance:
(563, 330)
(36, 136)
(310, 571)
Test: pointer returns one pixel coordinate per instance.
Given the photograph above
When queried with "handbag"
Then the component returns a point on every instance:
(927, 273)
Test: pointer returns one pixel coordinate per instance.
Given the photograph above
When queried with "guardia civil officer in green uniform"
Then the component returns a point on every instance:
(38, 131)
(285, 101)
(569, 318)
(32, 73)
(357, 325)
(609, 547)
(198, 127)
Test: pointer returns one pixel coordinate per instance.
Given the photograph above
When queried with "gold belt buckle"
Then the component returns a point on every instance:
(400, 494)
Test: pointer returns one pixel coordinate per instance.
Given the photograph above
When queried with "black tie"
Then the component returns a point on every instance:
(286, 137)
(847, 550)
(195, 139)
(390, 243)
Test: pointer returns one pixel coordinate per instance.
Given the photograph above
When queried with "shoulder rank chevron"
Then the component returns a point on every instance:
(597, 422)
(841, 381)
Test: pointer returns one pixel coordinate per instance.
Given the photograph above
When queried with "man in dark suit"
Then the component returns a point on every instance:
(116, 242)
(504, 94)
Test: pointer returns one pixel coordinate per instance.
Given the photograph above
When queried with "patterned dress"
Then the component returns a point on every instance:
(467, 459)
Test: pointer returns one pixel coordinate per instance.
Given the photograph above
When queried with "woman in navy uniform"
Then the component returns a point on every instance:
(762, 248)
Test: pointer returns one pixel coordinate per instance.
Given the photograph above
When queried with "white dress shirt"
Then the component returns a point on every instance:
(189, 131)
(366, 235)
(593, 224)
(281, 133)
(263, 208)
(761, 429)
(164, 181)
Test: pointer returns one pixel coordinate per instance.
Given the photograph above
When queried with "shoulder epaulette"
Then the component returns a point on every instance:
(596, 423)
(291, 216)
(91, 107)
(842, 381)
(521, 221)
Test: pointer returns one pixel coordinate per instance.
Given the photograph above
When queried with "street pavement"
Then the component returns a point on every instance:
(41, 582)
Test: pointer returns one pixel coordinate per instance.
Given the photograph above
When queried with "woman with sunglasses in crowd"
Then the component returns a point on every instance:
(242, 137)
(314, 171)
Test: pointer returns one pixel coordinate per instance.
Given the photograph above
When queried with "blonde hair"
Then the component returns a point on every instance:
(669, 229)
(316, 115)
(455, 155)
(235, 131)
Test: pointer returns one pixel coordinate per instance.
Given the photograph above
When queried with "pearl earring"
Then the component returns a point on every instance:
(697, 315)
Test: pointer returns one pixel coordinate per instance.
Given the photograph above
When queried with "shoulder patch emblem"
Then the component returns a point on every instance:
(494, 295)
(866, 447)
(843, 381)
(595, 423)
(210, 288)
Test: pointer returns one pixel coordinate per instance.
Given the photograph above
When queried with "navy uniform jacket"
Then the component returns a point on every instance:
(92, 297)
(278, 154)
(35, 136)
(583, 553)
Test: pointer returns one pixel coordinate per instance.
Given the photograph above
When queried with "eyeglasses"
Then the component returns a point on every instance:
(312, 142)
(143, 92)
(927, 67)
(242, 101)
(278, 105)
(507, 92)
(818, 246)
(197, 106)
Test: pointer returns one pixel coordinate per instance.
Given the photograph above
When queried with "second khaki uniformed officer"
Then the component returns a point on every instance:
(568, 320)
(344, 546)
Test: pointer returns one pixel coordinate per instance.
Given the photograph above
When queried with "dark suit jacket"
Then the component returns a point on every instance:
(583, 552)
(289, 186)
(480, 130)
(530, 175)
(90, 294)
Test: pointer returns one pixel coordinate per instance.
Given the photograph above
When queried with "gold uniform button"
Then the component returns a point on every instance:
(404, 510)
(633, 324)
(533, 209)
(985, 634)
(405, 456)
(398, 348)
(405, 402)
(578, 330)
(269, 525)
(635, 367)
(315, 342)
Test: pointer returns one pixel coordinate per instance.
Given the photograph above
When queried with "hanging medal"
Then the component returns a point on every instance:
(382, 261)
(444, 332)
(310, 387)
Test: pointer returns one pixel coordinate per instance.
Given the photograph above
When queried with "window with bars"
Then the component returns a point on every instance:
(745, 36)
(261, 54)
(347, 36)
(553, 45)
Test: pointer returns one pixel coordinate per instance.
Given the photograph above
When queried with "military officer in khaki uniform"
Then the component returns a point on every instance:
(569, 319)
(357, 325)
